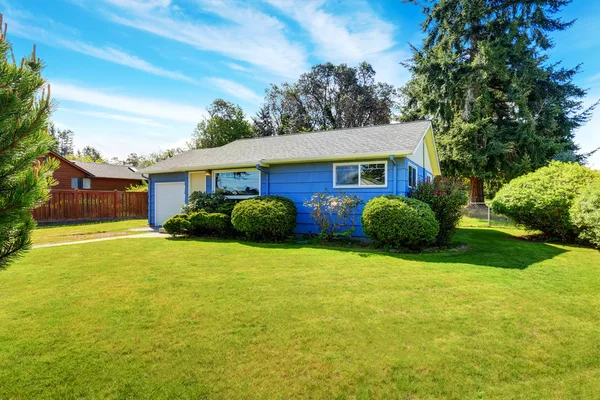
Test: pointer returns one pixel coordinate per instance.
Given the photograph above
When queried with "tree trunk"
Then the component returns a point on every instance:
(477, 195)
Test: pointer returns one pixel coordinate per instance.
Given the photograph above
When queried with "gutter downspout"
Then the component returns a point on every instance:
(395, 174)
(261, 169)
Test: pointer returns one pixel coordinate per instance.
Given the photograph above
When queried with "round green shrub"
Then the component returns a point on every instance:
(177, 226)
(219, 224)
(209, 202)
(203, 223)
(585, 214)
(397, 222)
(542, 200)
(199, 223)
(446, 196)
(265, 217)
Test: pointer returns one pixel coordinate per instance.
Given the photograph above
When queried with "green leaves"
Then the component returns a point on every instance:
(25, 178)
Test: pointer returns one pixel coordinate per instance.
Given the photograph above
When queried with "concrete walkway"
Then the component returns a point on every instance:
(139, 236)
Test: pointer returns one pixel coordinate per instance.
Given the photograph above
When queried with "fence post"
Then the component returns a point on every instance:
(116, 200)
(76, 204)
(489, 215)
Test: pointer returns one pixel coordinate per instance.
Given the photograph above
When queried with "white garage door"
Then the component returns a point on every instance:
(168, 200)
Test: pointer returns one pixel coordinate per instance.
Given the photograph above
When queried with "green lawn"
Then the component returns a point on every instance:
(90, 230)
(155, 318)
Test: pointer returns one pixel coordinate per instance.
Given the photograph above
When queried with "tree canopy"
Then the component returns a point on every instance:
(225, 123)
(483, 75)
(327, 97)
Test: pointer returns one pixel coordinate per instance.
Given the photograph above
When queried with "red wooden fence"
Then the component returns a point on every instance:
(72, 205)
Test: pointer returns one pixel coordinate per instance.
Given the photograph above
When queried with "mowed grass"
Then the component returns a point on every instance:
(155, 318)
(84, 231)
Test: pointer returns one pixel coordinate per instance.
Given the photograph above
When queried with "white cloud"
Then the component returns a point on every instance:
(106, 53)
(116, 117)
(236, 89)
(247, 35)
(349, 37)
(135, 105)
(238, 67)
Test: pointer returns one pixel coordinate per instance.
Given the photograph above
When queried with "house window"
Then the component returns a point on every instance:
(238, 183)
(412, 176)
(429, 177)
(365, 174)
(81, 183)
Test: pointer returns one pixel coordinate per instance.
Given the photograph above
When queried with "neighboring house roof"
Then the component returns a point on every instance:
(68, 162)
(337, 144)
(99, 170)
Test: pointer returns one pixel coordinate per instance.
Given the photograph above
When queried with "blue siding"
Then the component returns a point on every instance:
(300, 181)
(171, 177)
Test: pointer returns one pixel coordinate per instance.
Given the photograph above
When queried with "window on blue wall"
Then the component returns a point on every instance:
(371, 174)
(245, 183)
(412, 176)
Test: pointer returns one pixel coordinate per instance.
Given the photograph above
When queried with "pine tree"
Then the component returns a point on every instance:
(25, 178)
(499, 108)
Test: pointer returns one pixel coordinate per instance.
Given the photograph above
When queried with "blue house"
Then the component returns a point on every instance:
(369, 161)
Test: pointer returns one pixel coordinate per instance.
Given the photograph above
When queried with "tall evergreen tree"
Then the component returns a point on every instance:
(482, 74)
(25, 178)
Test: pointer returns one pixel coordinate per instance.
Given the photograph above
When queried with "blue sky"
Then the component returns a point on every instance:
(136, 76)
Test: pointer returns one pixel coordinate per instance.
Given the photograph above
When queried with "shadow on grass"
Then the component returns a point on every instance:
(487, 248)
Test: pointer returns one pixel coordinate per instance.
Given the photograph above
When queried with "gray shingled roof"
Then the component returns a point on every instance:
(373, 141)
(109, 170)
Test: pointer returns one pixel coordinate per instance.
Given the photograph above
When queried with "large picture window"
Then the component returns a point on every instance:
(244, 183)
(360, 174)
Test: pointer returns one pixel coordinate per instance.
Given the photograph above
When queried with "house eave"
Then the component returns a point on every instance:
(266, 163)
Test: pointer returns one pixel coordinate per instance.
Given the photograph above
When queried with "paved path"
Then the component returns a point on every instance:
(139, 236)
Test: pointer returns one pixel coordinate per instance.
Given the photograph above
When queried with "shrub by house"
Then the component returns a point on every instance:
(265, 217)
(446, 197)
(399, 222)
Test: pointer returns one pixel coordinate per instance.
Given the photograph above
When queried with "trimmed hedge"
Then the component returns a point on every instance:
(177, 226)
(203, 223)
(542, 200)
(585, 214)
(446, 196)
(398, 222)
(265, 217)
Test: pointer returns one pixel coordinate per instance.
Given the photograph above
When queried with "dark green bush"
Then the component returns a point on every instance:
(209, 202)
(585, 214)
(446, 197)
(542, 200)
(203, 223)
(398, 222)
(199, 224)
(219, 224)
(265, 217)
(177, 226)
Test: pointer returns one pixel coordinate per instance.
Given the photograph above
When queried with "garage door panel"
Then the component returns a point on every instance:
(169, 198)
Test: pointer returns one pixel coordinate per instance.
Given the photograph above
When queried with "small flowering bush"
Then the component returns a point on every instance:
(334, 214)
(542, 200)
(446, 197)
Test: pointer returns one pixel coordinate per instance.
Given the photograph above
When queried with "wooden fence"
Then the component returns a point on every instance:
(74, 205)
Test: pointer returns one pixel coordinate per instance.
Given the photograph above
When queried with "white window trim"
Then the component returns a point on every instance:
(214, 182)
(429, 176)
(359, 186)
(410, 165)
